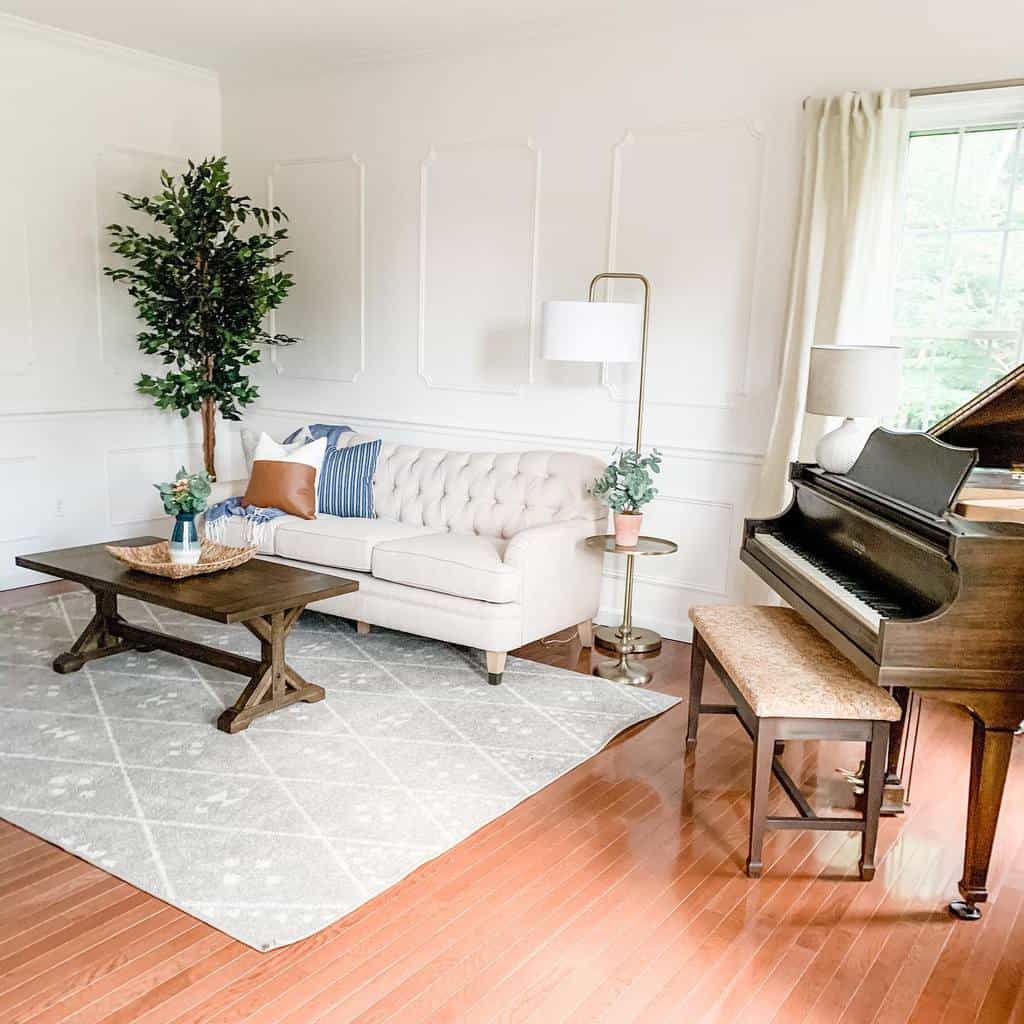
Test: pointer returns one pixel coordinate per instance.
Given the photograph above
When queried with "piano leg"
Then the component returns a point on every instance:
(990, 760)
(893, 792)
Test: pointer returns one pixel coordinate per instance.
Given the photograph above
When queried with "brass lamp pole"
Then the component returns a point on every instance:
(625, 638)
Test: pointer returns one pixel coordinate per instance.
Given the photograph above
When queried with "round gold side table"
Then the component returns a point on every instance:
(626, 640)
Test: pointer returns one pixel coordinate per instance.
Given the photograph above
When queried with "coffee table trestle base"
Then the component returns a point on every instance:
(266, 598)
(273, 684)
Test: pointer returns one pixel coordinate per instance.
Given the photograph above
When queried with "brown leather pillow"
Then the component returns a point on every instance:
(289, 486)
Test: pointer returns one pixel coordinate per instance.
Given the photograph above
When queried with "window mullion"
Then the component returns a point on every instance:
(1007, 220)
(947, 254)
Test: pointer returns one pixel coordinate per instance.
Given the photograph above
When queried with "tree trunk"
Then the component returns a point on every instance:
(209, 413)
(209, 427)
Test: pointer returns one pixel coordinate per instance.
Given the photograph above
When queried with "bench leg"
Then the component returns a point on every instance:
(697, 662)
(760, 779)
(874, 783)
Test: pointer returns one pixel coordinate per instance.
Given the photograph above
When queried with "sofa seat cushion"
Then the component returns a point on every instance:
(341, 543)
(461, 564)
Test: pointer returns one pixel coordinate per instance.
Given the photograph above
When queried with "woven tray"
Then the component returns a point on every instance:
(156, 560)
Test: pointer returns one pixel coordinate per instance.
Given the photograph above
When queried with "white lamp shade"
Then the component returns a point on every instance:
(592, 332)
(854, 380)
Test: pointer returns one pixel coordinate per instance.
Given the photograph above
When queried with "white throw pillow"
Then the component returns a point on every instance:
(311, 454)
(251, 440)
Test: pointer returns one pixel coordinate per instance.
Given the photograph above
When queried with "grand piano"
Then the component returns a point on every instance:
(889, 564)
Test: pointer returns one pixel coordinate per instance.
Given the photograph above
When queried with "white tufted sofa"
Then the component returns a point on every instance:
(481, 549)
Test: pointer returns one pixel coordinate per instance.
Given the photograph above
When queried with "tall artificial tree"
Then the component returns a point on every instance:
(203, 285)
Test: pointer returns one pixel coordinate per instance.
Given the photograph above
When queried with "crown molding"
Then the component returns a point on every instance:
(39, 32)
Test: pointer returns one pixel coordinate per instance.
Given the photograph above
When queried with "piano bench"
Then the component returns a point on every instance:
(787, 682)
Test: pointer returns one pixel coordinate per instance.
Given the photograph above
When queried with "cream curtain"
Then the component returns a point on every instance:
(842, 270)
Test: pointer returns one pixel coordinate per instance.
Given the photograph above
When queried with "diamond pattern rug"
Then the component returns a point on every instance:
(274, 833)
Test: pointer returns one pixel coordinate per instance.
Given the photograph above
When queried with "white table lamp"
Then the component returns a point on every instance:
(861, 383)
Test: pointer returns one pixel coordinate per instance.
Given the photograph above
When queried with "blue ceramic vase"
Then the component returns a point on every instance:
(185, 548)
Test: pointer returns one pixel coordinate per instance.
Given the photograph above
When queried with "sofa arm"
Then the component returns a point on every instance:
(561, 577)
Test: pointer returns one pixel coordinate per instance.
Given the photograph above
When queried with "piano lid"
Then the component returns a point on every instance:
(992, 422)
(913, 468)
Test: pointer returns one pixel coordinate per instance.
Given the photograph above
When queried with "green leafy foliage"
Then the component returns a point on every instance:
(203, 286)
(959, 296)
(187, 492)
(627, 484)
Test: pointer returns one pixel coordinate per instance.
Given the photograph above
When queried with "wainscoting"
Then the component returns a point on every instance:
(82, 122)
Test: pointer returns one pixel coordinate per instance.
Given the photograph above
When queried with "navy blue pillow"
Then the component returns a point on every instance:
(345, 487)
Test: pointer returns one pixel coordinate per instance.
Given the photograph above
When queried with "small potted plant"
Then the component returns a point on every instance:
(625, 487)
(184, 497)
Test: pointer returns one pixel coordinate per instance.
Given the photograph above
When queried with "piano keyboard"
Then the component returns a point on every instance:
(825, 577)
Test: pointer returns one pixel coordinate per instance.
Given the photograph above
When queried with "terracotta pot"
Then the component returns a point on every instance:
(627, 528)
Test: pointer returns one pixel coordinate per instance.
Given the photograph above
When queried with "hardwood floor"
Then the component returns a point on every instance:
(616, 894)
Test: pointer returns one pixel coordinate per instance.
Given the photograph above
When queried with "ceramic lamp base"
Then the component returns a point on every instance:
(837, 451)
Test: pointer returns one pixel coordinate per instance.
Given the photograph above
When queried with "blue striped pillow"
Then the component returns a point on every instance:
(345, 487)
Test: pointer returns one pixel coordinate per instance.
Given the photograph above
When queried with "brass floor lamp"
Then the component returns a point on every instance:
(607, 332)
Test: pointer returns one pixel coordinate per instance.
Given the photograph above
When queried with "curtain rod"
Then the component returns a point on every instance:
(941, 90)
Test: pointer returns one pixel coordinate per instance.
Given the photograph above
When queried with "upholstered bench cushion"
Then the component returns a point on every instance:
(785, 669)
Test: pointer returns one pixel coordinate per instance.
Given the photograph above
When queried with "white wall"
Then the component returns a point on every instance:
(437, 203)
(80, 122)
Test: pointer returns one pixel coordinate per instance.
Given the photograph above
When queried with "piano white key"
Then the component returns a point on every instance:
(785, 554)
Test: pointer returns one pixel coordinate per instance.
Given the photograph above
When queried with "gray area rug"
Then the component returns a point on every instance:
(274, 833)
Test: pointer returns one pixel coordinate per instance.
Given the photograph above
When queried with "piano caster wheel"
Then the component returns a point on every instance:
(965, 911)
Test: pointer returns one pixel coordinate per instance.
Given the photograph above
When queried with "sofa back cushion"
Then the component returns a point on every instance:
(493, 494)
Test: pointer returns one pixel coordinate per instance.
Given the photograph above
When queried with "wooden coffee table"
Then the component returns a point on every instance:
(265, 597)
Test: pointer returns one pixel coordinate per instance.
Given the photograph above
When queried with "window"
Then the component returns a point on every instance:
(959, 289)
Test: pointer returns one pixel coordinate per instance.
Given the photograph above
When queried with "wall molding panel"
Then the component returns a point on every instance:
(137, 172)
(131, 472)
(20, 516)
(83, 121)
(325, 199)
(698, 239)
(483, 311)
(16, 326)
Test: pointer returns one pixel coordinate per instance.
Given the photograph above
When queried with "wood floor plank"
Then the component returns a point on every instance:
(501, 886)
(616, 894)
(677, 850)
(500, 845)
(131, 961)
(510, 909)
(297, 973)
(13, 925)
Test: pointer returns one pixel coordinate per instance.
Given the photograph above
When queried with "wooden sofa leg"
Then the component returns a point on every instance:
(760, 779)
(697, 662)
(585, 630)
(495, 666)
(362, 627)
(874, 783)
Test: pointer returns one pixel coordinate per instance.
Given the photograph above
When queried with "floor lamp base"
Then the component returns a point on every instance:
(642, 641)
(623, 671)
